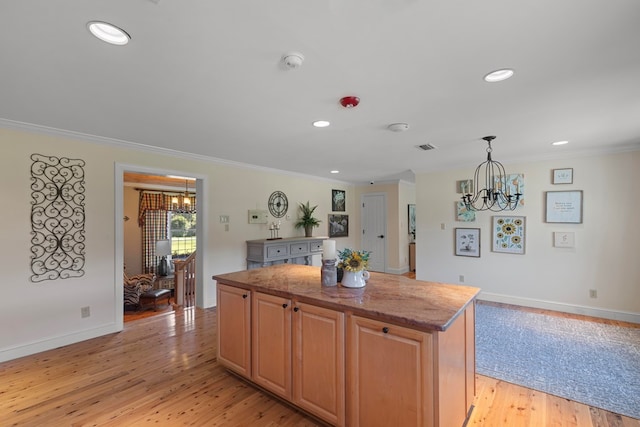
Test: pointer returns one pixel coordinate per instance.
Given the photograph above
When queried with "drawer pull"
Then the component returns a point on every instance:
(244, 295)
(285, 305)
(385, 330)
(296, 309)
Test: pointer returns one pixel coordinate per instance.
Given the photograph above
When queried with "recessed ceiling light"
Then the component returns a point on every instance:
(559, 142)
(108, 33)
(498, 75)
(321, 123)
(335, 171)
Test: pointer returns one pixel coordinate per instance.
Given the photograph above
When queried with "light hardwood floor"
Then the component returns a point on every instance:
(162, 370)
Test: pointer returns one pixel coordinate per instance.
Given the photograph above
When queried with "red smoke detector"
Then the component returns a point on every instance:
(349, 101)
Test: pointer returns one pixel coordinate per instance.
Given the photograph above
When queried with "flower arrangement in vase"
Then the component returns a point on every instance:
(354, 264)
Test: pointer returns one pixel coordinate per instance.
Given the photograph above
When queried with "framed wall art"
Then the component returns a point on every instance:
(468, 242)
(338, 200)
(564, 206)
(411, 219)
(514, 183)
(508, 234)
(338, 225)
(463, 214)
(464, 186)
(562, 176)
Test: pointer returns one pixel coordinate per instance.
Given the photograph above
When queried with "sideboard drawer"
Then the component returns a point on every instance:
(276, 251)
(299, 248)
(315, 246)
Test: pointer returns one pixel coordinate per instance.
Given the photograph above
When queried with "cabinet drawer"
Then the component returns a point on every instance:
(299, 248)
(276, 251)
(315, 246)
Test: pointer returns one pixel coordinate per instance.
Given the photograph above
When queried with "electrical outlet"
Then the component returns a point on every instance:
(461, 278)
(593, 293)
(442, 226)
(85, 312)
(226, 227)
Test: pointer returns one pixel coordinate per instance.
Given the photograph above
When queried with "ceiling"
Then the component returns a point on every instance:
(206, 77)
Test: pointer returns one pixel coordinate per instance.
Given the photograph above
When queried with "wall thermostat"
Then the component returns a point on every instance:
(257, 216)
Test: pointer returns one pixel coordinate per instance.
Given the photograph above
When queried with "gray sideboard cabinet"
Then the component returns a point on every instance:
(293, 250)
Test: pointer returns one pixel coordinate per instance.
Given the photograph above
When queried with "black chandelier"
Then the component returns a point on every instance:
(495, 194)
(183, 204)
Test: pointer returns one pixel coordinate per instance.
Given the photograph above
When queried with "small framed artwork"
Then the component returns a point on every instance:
(562, 176)
(464, 186)
(508, 234)
(338, 200)
(564, 206)
(468, 242)
(463, 214)
(338, 225)
(514, 184)
(411, 220)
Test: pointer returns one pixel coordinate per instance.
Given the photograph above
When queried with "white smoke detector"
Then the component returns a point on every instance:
(292, 60)
(398, 127)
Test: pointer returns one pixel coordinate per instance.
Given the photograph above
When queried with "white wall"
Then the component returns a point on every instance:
(605, 257)
(47, 315)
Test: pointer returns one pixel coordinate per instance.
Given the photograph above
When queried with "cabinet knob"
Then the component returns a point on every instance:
(285, 305)
(244, 295)
(296, 309)
(385, 330)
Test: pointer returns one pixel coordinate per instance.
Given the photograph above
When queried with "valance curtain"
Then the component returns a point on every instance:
(153, 201)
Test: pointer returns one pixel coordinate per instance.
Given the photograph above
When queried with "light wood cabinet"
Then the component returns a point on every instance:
(390, 375)
(318, 363)
(397, 352)
(403, 376)
(271, 343)
(234, 328)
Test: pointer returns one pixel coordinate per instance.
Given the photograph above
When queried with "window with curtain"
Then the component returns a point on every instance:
(158, 222)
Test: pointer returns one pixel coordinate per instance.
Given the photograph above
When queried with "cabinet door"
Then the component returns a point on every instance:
(234, 328)
(318, 362)
(271, 349)
(390, 375)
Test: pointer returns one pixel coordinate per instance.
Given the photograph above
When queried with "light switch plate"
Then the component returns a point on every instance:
(258, 216)
(564, 239)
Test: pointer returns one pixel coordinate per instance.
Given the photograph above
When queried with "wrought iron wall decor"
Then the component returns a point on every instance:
(57, 218)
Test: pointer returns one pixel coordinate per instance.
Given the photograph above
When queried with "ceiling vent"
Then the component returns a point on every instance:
(427, 147)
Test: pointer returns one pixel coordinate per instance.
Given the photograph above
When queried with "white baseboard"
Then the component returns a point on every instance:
(51, 343)
(398, 270)
(563, 307)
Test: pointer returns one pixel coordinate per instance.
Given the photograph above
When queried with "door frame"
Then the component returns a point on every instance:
(201, 231)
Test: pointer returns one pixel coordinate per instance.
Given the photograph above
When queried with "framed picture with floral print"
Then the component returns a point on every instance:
(508, 234)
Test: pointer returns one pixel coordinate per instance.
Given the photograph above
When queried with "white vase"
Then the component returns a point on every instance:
(355, 279)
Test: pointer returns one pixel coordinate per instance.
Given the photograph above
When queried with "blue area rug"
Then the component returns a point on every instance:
(588, 362)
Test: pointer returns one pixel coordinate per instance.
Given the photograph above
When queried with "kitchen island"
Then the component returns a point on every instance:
(396, 352)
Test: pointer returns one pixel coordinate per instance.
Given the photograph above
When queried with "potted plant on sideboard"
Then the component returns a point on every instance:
(307, 221)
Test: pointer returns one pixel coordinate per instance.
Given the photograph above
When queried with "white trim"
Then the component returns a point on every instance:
(203, 299)
(55, 342)
(11, 124)
(563, 307)
(398, 271)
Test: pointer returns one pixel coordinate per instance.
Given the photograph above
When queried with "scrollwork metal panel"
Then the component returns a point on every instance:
(57, 218)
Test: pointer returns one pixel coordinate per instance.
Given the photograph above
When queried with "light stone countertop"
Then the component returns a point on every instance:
(389, 297)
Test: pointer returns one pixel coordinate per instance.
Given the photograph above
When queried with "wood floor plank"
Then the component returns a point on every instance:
(162, 370)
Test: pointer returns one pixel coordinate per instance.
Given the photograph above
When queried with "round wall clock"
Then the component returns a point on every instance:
(278, 204)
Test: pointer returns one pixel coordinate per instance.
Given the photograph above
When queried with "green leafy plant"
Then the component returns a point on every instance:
(307, 220)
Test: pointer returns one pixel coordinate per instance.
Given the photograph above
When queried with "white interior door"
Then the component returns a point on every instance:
(374, 230)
